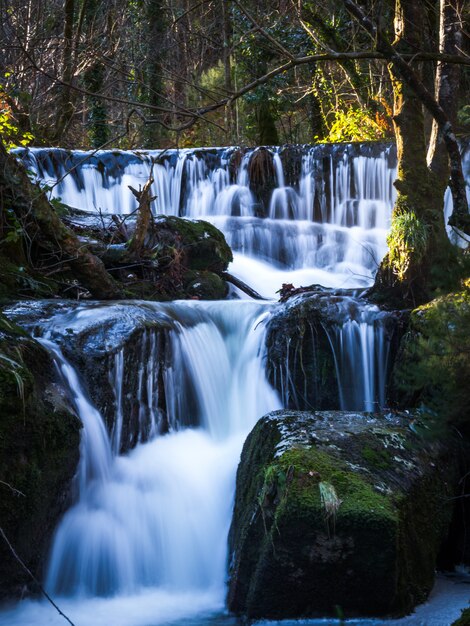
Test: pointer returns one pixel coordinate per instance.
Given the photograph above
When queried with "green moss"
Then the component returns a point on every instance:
(204, 285)
(355, 490)
(203, 244)
(376, 457)
(433, 368)
(39, 441)
(464, 619)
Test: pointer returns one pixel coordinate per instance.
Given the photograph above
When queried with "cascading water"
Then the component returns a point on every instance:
(361, 350)
(328, 226)
(158, 518)
(325, 224)
(149, 528)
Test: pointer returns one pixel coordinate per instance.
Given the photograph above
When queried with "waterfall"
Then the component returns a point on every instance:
(145, 540)
(159, 516)
(361, 350)
(326, 224)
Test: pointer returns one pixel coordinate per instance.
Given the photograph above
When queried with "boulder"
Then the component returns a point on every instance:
(337, 511)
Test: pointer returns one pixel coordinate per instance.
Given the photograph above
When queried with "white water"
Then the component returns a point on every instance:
(340, 243)
(329, 226)
(151, 526)
(145, 543)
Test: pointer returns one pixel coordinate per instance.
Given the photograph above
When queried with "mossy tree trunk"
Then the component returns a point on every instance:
(421, 259)
(419, 191)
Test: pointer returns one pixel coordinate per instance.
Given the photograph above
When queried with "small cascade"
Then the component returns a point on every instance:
(159, 516)
(361, 349)
(331, 218)
(331, 349)
(95, 448)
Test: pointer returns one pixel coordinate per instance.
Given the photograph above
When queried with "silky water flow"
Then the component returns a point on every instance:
(145, 542)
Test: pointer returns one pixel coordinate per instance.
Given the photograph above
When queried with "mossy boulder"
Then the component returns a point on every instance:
(175, 248)
(337, 509)
(39, 451)
(203, 246)
(433, 367)
(205, 286)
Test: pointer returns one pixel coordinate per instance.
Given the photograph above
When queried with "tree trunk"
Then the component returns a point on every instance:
(421, 258)
(418, 233)
(66, 108)
(447, 84)
(144, 216)
(40, 221)
(227, 62)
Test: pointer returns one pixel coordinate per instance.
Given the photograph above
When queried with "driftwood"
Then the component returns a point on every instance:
(242, 286)
(144, 216)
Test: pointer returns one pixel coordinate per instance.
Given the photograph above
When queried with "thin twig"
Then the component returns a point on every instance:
(25, 567)
(17, 492)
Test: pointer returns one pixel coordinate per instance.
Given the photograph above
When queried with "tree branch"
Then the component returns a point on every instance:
(33, 577)
(460, 217)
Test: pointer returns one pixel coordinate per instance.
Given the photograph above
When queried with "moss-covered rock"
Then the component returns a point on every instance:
(464, 619)
(336, 509)
(39, 451)
(205, 286)
(203, 246)
(175, 248)
(433, 367)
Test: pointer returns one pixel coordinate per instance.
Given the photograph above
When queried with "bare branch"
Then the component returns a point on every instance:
(33, 577)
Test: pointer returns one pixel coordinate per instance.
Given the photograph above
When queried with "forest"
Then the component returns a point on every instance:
(234, 312)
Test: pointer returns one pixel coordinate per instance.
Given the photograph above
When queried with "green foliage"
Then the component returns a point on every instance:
(11, 135)
(407, 242)
(357, 124)
(434, 368)
(463, 117)
(464, 619)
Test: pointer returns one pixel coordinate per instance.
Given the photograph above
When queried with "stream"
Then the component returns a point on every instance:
(145, 541)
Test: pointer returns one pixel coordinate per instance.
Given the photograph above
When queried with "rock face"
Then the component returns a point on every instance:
(39, 451)
(336, 509)
(312, 332)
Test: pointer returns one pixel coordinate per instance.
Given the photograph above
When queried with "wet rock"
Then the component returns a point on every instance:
(39, 451)
(262, 177)
(123, 353)
(304, 356)
(291, 158)
(205, 286)
(337, 509)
